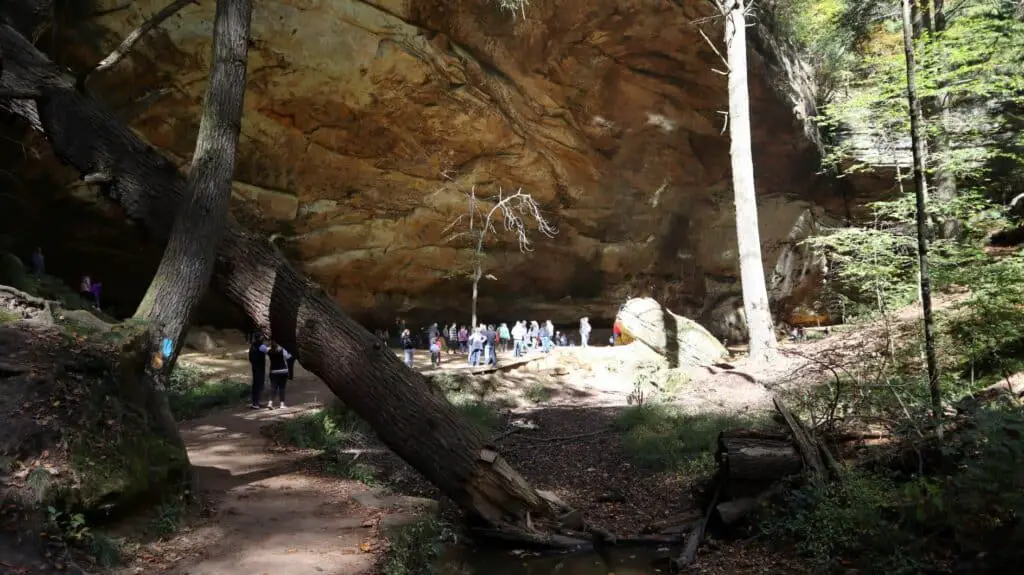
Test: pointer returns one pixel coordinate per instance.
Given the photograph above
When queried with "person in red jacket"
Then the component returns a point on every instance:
(616, 332)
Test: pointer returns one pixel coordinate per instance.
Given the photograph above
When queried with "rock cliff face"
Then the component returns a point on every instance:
(367, 122)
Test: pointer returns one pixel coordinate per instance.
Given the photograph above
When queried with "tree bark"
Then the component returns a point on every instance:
(745, 455)
(921, 196)
(755, 293)
(938, 108)
(477, 273)
(187, 264)
(409, 415)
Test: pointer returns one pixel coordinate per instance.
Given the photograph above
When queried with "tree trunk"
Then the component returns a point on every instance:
(409, 415)
(755, 294)
(187, 263)
(938, 108)
(921, 195)
(477, 273)
(750, 455)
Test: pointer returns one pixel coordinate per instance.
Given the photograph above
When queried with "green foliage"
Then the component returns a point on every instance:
(106, 551)
(877, 265)
(70, 527)
(192, 394)
(326, 429)
(987, 326)
(831, 523)
(538, 392)
(896, 524)
(662, 438)
(414, 549)
(168, 517)
(8, 316)
(333, 431)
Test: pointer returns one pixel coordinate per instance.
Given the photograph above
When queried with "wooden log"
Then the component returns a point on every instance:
(745, 455)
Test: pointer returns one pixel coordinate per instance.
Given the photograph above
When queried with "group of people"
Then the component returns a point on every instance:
(483, 342)
(282, 369)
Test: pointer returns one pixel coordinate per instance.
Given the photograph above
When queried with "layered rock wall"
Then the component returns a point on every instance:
(367, 123)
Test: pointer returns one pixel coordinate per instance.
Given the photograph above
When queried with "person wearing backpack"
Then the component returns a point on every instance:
(278, 357)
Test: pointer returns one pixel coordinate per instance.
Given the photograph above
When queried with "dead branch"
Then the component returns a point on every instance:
(689, 554)
(138, 34)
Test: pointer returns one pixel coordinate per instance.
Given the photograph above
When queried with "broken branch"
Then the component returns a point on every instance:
(138, 34)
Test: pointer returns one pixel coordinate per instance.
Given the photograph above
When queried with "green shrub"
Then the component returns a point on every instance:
(662, 438)
(191, 394)
(538, 393)
(326, 429)
(834, 522)
(414, 549)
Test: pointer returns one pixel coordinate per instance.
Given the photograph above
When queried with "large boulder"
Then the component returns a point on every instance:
(77, 428)
(681, 340)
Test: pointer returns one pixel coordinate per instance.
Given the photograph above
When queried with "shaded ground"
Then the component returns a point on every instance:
(268, 508)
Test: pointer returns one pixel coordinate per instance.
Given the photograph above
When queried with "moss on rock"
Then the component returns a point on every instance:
(77, 427)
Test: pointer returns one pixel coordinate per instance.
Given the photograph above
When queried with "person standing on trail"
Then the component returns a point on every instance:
(463, 340)
(491, 346)
(476, 346)
(584, 331)
(279, 357)
(258, 362)
(453, 338)
(435, 351)
(504, 336)
(518, 339)
(408, 347)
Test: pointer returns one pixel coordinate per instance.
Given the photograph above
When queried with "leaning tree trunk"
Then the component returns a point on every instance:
(409, 415)
(755, 294)
(921, 195)
(187, 263)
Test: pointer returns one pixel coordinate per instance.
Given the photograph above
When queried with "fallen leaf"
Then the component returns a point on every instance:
(293, 550)
(365, 547)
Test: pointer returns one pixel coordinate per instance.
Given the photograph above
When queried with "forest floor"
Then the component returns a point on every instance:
(269, 507)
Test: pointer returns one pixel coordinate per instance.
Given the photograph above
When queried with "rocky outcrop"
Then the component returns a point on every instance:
(681, 341)
(367, 122)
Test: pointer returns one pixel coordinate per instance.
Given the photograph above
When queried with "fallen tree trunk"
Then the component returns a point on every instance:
(757, 455)
(409, 415)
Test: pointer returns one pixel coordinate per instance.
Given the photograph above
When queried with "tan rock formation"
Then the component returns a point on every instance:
(368, 121)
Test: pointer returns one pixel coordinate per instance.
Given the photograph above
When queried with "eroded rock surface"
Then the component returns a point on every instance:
(366, 124)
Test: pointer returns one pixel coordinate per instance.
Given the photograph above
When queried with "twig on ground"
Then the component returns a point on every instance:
(566, 437)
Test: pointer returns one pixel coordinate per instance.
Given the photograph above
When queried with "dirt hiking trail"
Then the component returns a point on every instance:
(270, 517)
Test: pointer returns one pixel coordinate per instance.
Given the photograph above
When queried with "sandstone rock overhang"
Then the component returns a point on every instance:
(367, 122)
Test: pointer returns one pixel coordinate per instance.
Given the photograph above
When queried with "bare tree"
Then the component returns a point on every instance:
(921, 195)
(748, 237)
(514, 211)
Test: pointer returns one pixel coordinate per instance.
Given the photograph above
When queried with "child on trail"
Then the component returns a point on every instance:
(435, 351)
(278, 357)
(258, 362)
